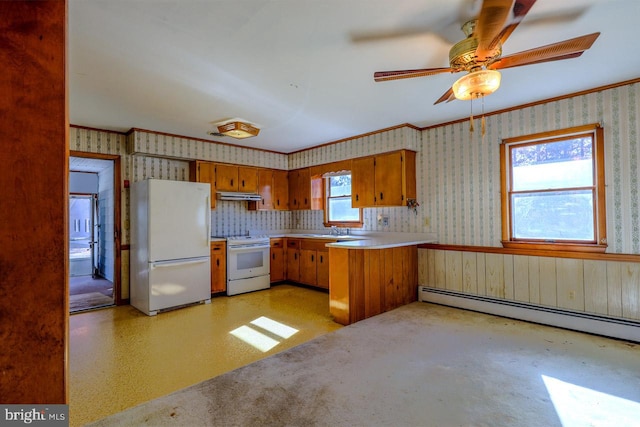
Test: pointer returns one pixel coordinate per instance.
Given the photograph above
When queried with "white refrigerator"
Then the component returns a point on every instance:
(170, 244)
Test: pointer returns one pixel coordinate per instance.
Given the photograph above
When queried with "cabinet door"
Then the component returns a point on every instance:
(277, 260)
(362, 182)
(322, 269)
(226, 177)
(293, 260)
(265, 189)
(304, 188)
(308, 267)
(218, 267)
(388, 180)
(280, 197)
(204, 172)
(247, 179)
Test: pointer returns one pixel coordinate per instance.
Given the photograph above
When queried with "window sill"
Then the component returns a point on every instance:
(542, 247)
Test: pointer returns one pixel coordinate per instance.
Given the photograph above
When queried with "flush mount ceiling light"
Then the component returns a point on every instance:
(476, 84)
(236, 128)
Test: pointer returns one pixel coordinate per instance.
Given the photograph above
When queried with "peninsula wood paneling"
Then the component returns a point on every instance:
(600, 287)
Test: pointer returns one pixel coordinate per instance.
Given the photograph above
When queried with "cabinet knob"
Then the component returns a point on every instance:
(273, 256)
(321, 258)
(311, 258)
(357, 197)
(243, 183)
(218, 262)
(232, 182)
(381, 196)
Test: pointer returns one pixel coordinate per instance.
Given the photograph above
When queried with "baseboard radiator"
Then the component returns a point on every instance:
(599, 325)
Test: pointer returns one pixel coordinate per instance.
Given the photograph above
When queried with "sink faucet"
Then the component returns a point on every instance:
(334, 230)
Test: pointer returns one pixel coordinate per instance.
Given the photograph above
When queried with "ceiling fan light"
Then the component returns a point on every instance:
(476, 84)
(239, 130)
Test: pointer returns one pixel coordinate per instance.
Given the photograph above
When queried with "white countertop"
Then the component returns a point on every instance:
(364, 240)
(385, 241)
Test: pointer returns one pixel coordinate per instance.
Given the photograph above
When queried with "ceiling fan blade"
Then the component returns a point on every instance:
(551, 52)
(383, 76)
(520, 10)
(491, 21)
(448, 96)
(499, 65)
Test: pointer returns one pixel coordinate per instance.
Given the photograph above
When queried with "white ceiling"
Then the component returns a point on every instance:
(303, 69)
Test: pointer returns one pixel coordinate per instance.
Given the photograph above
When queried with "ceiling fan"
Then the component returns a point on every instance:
(480, 53)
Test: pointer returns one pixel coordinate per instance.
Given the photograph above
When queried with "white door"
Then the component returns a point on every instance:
(179, 219)
(172, 284)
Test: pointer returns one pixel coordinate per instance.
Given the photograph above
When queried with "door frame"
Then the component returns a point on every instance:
(117, 222)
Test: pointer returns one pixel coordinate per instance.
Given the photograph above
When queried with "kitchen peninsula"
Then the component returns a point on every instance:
(373, 275)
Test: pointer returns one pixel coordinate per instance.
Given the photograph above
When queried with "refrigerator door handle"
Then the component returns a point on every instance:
(207, 218)
(160, 264)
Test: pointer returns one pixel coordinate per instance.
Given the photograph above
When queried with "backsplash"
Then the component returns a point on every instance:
(231, 218)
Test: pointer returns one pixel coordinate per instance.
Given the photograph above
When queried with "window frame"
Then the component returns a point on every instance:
(326, 196)
(599, 244)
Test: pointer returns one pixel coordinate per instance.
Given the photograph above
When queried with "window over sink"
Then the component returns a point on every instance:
(338, 210)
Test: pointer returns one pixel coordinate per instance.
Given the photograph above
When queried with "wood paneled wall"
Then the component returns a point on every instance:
(601, 287)
(33, 202)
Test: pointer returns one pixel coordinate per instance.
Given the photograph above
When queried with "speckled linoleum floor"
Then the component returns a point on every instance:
(120, 357)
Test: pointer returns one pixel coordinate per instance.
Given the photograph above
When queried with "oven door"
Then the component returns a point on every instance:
(245, 261)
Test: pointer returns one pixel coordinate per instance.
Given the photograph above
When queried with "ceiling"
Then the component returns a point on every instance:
(303, 69)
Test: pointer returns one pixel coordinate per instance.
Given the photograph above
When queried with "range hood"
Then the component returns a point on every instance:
(228, 195)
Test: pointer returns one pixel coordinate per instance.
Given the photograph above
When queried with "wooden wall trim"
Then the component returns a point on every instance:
(132, 130)
(543, 101)
(551, 254)
(404, 125)
(97, 130)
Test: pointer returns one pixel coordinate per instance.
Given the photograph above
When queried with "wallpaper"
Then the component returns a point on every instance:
(460, 189)
(458, 172)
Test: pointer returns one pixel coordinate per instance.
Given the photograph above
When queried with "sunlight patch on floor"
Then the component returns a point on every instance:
(580, 406)
(261, 334)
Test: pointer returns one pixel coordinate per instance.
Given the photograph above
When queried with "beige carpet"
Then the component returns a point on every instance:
(419, 365)
(88, 300)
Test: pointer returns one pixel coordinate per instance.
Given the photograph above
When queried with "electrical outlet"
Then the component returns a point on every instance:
(385, 221)
(427, 221)
(572, 294)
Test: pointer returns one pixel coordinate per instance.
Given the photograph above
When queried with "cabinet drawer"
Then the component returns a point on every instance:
(293, 244)
(217, 246)
(277, 243)
(315, 244)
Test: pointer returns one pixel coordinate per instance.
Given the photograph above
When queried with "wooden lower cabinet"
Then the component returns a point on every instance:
(322, 269)
(367, 282)
(218, 267)
(293, 260)
(277, 261)
(308, 261)
(308, 267)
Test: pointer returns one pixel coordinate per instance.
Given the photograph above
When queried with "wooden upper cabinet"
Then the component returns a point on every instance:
(236, 178)
(280, 193)
(362, 182)
(247, 179)
(265, 190)
(384, 180)
(201, 171)
(299, 189)
(226, 177)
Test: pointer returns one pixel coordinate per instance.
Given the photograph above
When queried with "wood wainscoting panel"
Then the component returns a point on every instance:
(453, 260)
(631, 290)
(534, 279)
(548, 280)
(469, 276)
(595, 290)
(521, 278)
(570, 283)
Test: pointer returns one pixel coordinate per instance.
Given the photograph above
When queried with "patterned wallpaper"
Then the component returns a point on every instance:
(458, 172)
(460, 182)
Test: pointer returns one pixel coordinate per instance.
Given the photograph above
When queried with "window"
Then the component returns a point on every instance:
(553, 190)
(338, 210)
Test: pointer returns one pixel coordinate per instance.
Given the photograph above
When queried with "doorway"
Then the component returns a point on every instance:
(94, 261)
